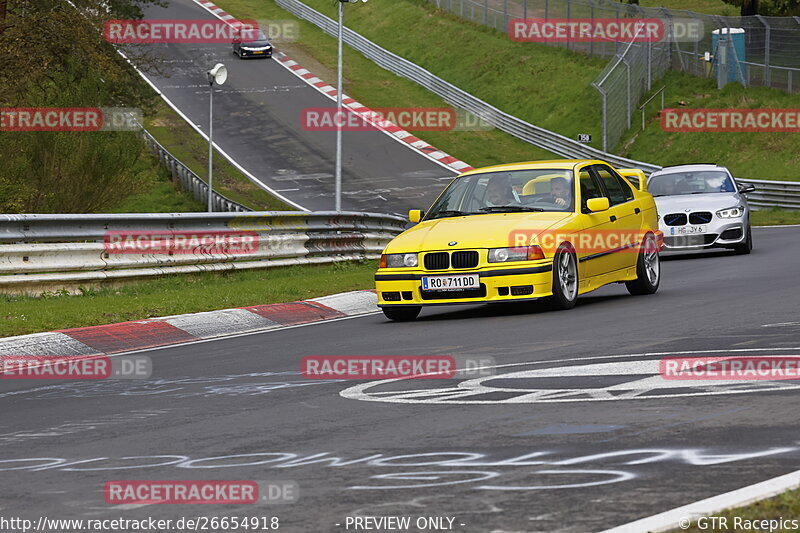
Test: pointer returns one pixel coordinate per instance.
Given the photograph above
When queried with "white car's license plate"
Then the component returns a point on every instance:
(689, 230)
(450, 283)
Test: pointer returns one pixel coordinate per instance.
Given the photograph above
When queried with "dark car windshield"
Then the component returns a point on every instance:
(251, 36)
(697, 182)
(506, 192)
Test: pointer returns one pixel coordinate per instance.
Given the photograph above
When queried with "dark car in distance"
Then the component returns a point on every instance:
(251, 42)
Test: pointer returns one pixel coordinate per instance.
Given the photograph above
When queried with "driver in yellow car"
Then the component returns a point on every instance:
(559, 191)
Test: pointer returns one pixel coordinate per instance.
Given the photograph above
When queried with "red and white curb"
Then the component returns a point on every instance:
(687, 515)
(371, 116)
(179, 329)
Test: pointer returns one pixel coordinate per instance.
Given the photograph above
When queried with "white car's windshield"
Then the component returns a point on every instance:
(698, 182)
(505, 192)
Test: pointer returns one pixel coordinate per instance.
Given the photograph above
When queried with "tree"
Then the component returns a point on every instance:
(749, 8)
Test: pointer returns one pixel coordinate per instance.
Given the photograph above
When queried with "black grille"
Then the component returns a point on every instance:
(521, 290)
(700, 217)
(437, 261)
(465, 259)
(675, 219)
(450, 295)
(735, 233)
(690, 240)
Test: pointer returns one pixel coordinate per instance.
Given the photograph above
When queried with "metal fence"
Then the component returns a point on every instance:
(770, 55)
(188, 180)
(45, 252)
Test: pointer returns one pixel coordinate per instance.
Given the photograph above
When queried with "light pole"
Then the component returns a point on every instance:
(339, 106)
(217, 75)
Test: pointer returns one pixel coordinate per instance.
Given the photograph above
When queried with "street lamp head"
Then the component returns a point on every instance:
(218, 74)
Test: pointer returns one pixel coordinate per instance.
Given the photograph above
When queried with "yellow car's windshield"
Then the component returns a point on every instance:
(505, 192)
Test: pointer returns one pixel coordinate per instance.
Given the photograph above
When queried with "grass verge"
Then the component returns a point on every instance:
(710, 7)
(184, 143)
(766, 156)
(786, 506)
(774, 217)
(180, 294)
(158, 194)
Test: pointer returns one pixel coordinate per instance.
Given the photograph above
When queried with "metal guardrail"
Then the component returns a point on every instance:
(548, 140)
(768, 193)
(771, 193)
(39, 251)
(187, 179)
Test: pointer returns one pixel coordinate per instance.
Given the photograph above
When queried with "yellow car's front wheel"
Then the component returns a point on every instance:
(565, 278)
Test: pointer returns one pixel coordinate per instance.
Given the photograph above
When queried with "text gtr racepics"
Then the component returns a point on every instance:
(524, 231)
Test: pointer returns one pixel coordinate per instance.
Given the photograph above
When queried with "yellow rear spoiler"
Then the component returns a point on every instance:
(636, 177)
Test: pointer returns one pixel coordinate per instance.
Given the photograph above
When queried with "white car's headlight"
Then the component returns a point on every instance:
(731, 212)
(522, 253)
(399, 260)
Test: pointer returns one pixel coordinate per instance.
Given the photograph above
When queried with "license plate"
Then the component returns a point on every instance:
(689, 230)
(450, 283)
(258, 52)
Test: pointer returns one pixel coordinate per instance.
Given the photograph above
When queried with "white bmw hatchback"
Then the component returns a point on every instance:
(701, 207)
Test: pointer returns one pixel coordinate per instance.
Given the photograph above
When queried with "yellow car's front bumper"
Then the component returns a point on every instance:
(403, 286)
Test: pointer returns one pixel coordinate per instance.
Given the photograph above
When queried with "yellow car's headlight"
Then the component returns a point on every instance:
(398, 260)
(522, 253)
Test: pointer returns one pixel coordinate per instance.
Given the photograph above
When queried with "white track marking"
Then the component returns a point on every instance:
(669, 519)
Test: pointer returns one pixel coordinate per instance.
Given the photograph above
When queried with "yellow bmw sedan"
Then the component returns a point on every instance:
(525, 231)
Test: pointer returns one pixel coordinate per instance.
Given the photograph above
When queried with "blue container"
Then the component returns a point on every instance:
(737, 70)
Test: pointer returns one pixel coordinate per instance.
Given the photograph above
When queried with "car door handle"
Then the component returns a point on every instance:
(613, 218)
(637, 211)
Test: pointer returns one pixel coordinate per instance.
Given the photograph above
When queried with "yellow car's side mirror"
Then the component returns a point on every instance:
(595, 205)
(415, 215)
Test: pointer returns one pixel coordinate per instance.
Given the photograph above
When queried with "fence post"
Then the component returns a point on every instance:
(605, 118)
(569, 19)
(546, 9)
(505, 15)
(789, 87)
(525, 9)
(628, 69)
(591, 15)
(485, 12)
(649, 64)
(767, 72)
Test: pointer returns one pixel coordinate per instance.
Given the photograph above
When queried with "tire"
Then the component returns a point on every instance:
(648, 268)
(402, 314)
(747, 246)
(565, 279)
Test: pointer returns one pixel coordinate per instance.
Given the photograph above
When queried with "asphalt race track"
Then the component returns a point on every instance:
(257, 121)
(617, 445)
